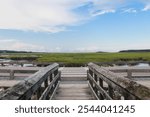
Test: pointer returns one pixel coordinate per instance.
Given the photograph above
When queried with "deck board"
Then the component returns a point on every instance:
(74, 85)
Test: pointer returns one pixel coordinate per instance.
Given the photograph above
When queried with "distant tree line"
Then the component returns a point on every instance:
(146, 50)
(13, 51)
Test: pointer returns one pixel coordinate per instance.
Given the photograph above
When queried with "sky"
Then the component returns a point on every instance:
(74, 25)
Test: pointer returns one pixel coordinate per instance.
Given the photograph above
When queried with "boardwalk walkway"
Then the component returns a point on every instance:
(74, 85)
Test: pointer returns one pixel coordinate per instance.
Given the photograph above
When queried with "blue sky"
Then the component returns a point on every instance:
(74, 25)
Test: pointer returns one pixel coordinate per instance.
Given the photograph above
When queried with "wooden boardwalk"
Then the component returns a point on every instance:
(74, 85)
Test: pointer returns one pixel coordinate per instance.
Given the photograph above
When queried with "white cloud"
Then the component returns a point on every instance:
(102, 12)
(146, 8)
(38, 15)
(101, 7)
(54, 15)
(130, 10)
(50, 15)
(12, 44)
(147, 5)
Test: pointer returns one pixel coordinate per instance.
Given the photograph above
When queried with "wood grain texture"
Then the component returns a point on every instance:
(73, 85)
(121, 84)
(26, 88)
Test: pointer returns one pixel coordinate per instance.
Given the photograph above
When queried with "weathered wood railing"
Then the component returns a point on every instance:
(132, 72)
(40, 85)
(21, 63)
(107, 85)
(12, 71)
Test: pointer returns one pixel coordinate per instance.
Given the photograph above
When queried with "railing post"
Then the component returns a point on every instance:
(46, 83)
(55, 72)
(91, 73)
(110, 91)
(11, 74)
(59, 75)
(129, 74)
(95, 89)
(39, 93)
(87, 75)
(51, 77)
(101, 85)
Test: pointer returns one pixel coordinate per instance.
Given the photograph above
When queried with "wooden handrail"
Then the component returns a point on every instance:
(118, 87)
(130, 71)
(34, 86)
(12, 71)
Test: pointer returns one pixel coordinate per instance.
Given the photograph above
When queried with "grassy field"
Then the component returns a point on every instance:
(79, 58)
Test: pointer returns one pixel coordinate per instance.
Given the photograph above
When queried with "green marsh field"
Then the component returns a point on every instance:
(79, 58)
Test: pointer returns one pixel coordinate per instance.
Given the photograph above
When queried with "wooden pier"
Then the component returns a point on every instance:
(74, 83)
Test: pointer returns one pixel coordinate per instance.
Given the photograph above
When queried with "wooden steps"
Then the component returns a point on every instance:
(74, 85)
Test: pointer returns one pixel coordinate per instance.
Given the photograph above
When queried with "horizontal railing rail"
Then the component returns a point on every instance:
(108, 85)
(11, 72)
(132, 72)
(37, 86)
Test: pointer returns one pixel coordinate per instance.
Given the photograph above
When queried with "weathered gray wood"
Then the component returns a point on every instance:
(131, 72)
(73, 91)
(26, 88)
(101, 85)
(102, 91)
(8, 83)
(54, 92)
(73, 85)
(145, 83)
(15, 72)
(11, 74)
(22, 69)
(95, 78)
(47, 90)
(94, 94)
(110, 91)
(129, 88)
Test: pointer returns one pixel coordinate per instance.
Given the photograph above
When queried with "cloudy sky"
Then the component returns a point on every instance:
(74, 25)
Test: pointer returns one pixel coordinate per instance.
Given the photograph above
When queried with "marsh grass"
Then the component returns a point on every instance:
(80, 58)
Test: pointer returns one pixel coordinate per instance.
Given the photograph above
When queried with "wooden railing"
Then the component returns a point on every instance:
(133, 72)
(107, 85)
(40, 85)
(11, 72)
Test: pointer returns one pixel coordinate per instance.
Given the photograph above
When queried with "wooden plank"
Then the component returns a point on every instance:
(73, 85)
(73, 74)
(73, 91)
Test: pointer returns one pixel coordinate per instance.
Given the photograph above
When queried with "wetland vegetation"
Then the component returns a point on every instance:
(79, 58)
